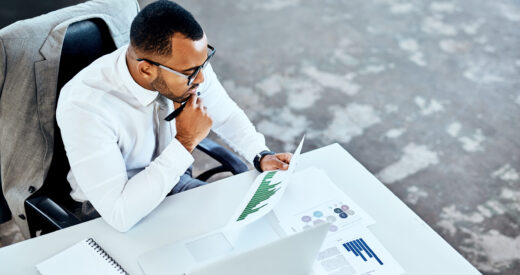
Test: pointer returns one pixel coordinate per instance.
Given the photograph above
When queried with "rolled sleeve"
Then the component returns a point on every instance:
(174, 159)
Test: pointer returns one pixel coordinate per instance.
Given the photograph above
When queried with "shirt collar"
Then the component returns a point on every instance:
(144, 96)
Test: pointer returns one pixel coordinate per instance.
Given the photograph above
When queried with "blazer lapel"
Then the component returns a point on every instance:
(46, 76)
(46, 79)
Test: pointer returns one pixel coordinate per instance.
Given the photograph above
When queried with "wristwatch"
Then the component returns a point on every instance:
(258, 158)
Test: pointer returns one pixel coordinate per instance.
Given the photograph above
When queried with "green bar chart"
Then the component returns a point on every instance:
(265, 190)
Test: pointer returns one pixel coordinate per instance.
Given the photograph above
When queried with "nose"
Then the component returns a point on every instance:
(199, 78)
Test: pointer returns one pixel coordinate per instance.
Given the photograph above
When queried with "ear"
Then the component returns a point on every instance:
(147, 70)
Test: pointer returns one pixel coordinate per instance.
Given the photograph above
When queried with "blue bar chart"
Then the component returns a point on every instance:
(358, 246)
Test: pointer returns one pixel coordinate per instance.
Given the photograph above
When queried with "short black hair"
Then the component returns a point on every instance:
(154, 26)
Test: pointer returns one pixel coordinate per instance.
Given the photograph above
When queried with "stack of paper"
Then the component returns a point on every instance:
(306, 198)
(350, 248)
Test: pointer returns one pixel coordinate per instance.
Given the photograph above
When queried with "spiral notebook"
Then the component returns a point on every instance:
(85, 257)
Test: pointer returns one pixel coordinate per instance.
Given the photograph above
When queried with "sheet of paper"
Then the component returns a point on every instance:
(357, 252)
(312, 198)
(296, 157)
(349, 248)
(265, 192)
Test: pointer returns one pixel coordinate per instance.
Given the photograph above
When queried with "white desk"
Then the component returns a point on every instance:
(411, 241)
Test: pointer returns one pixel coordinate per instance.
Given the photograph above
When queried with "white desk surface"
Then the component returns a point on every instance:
(410, 240)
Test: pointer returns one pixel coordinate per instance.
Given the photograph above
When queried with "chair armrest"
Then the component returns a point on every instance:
(229, 161)
(47, 215)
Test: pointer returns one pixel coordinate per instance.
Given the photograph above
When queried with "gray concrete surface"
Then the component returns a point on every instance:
(425, 94)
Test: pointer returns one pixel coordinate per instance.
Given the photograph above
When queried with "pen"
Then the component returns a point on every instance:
(177, 111)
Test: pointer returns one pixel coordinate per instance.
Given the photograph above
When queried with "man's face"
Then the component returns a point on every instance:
(186, 56)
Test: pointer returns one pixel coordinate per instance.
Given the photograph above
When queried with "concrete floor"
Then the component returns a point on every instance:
(425, 94)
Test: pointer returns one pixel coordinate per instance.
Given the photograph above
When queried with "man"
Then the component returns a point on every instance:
(124, 156)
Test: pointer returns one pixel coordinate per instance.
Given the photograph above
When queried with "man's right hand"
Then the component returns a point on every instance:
(193, 123)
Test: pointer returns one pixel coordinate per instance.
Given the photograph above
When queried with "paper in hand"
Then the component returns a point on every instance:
(266, 191)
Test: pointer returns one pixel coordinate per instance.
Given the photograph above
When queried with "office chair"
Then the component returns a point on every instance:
(51, 208)
(5, 213)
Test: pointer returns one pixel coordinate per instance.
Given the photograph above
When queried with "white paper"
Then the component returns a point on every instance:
(312, 198)
(296, 157)
(264, 194)
(338, 255)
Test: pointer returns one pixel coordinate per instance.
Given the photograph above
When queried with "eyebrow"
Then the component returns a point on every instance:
(190, 69)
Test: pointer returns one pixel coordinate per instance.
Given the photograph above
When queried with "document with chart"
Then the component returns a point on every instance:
(349, 248)
(355, 251)
(312, 198)
(265, 192)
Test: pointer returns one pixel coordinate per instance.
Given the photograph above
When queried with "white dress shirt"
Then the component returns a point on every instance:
(109, 127)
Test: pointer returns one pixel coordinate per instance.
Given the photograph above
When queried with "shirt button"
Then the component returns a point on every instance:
(21, 216)
(32, 189)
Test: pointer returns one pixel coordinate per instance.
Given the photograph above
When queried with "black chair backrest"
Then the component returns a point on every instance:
(5, 212)
(85, 41)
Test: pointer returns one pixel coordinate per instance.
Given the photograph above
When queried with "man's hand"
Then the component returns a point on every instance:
(193, 123)
(277, 161)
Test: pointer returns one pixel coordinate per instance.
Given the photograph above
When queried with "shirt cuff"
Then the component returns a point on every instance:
(175, 158)
(252, 151)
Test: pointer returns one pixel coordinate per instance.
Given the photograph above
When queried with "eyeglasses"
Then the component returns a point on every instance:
(193, 76)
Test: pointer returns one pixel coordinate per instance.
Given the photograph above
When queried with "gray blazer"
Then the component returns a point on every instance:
(29, 62)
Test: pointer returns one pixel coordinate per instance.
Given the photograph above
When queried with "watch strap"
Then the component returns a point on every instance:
(258, 159)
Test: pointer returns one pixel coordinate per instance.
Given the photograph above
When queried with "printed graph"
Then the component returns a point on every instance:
(335, 213)
(357, 247)
(263, 193)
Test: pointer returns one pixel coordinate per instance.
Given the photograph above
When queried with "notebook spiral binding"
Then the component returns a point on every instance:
(105, 256)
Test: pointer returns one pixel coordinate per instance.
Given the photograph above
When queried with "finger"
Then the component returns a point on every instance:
(285, 157)
(201, 105)
(275, 163)
(203, 110)
(193, 100)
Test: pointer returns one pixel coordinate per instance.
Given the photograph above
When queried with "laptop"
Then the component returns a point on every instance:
(220, 253)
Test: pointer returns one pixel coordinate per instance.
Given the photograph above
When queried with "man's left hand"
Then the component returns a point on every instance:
(276, 162)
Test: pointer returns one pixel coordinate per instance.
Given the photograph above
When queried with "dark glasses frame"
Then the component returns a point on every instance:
(191, 77)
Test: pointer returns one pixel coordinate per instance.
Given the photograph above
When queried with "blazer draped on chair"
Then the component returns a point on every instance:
(29, 62)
